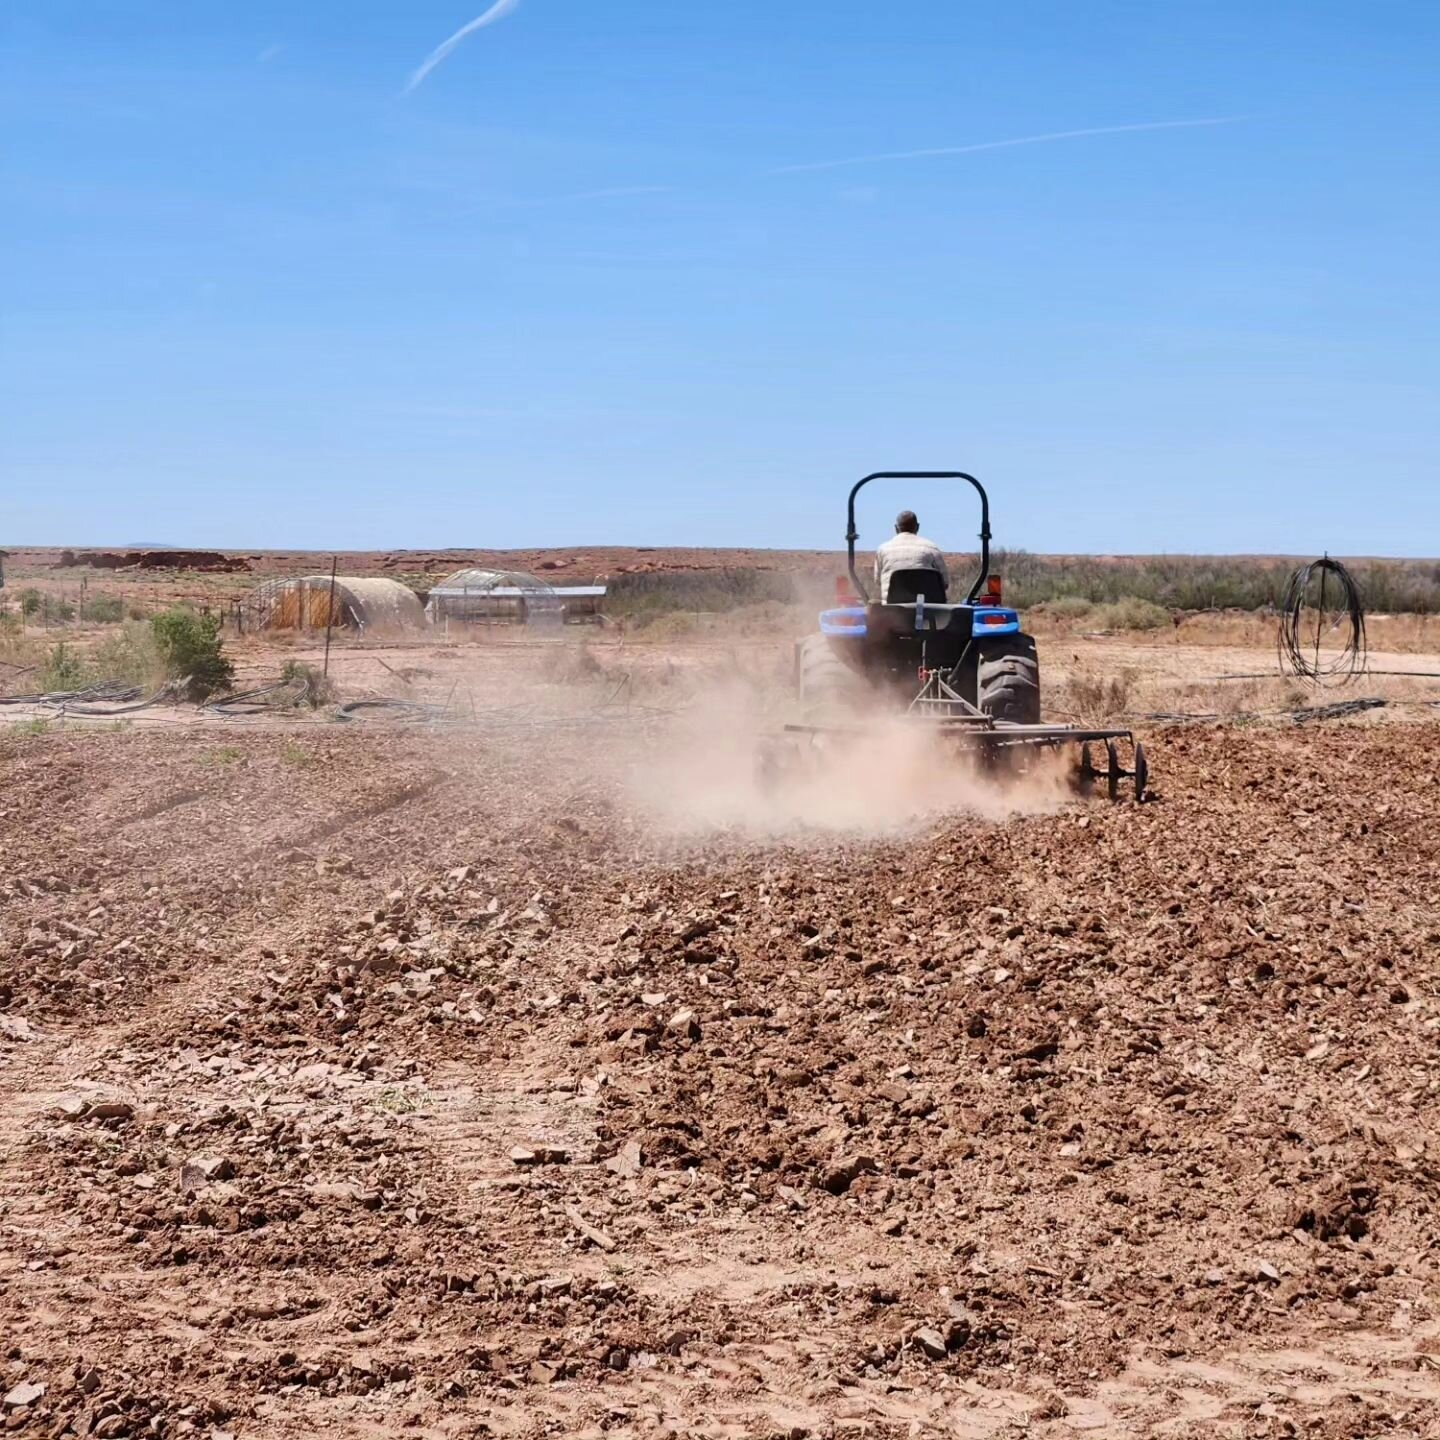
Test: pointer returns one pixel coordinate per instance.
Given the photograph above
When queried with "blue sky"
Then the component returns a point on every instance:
(570, 289)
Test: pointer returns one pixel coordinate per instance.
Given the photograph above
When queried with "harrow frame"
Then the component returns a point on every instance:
(938, 707)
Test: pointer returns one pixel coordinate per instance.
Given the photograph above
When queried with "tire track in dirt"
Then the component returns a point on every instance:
(162, 807)
(349, 819)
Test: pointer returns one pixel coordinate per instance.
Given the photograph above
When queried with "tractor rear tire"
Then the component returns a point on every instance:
(1008, 681)
(827, 685)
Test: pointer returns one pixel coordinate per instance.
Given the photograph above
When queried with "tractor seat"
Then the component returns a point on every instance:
(908, 586)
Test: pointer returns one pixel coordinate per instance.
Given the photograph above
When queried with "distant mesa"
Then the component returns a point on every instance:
(140, 558)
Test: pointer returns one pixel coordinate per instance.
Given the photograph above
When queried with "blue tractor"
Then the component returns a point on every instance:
(960, 663)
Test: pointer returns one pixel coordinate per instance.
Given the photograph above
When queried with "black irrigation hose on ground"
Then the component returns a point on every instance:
(115, 703)
(115, 698)
(1301, 715)
(258, 701)
(397, 709)
(1299, 651)
(108, 692)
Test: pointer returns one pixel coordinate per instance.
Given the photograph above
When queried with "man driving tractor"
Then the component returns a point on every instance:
(908, 551)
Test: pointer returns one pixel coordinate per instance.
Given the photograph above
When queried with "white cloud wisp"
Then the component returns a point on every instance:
(1001, 144)
(498, 11)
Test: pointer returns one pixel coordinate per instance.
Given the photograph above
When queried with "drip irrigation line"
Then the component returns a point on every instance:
(164, 693)
(113, 692)
(257, 701)
(1270, 675)
(1300, 715)
(115, 698)
(1298, 650)
(411, 709)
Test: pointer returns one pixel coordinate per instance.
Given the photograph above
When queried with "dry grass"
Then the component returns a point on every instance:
(20, 660)
(1094, 699)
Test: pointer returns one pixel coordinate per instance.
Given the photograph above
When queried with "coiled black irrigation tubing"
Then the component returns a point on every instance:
(1311, 623)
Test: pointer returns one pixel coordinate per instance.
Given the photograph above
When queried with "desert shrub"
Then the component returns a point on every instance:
(103, 609)
(1197, 582)
(190, 649)
(319, 688)
(64, 669)
(1066, 607)
(1130, 614)
(1172, 582)
(36, 605)
(130, 656)
(1394, 588)
(10, 624)
(638, 597)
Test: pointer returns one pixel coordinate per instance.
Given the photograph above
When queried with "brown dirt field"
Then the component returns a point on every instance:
(492, 1079)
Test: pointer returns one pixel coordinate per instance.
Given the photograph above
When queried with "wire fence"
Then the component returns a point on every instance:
(29, 609)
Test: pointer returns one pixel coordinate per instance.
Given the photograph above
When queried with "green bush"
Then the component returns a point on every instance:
(63, 670)
(103, 609)
(30, 601)
(190, 650)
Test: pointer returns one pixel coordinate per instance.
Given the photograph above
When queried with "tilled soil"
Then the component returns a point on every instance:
(372, 1081)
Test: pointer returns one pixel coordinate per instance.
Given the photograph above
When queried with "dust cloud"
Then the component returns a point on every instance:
(726, 766)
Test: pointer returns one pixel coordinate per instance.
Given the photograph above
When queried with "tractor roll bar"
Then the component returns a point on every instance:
(852, 534)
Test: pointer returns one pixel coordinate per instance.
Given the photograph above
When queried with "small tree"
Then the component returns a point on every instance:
(190, 648)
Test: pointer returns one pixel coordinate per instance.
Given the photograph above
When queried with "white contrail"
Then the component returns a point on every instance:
(1002, 144)
(498, 11)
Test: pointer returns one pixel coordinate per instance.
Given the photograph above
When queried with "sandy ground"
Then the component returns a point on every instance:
(548, 1072)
